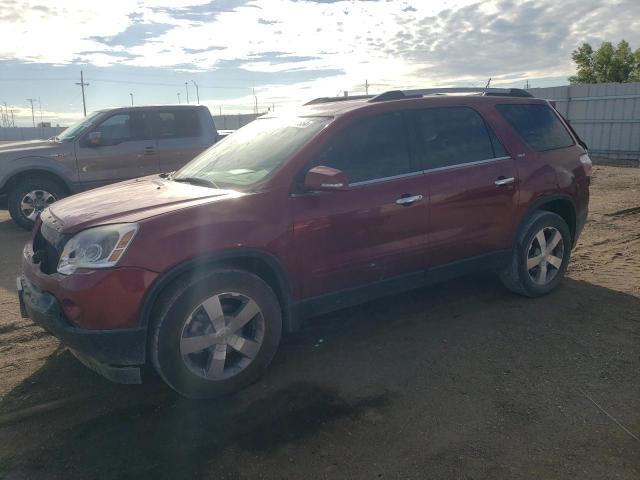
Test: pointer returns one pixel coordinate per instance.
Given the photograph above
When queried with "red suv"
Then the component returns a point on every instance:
(201, 271)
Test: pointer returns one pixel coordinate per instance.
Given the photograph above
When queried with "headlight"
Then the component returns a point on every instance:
(98, 247)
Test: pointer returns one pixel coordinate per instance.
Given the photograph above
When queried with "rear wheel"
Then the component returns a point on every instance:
(215, 334)
(540, 257)
(30, 196)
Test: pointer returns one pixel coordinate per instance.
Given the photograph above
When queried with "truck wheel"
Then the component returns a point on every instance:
(30, 196)
(540, 256)
(215, 334)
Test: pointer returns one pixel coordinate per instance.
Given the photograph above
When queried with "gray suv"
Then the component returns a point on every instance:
(106, 147)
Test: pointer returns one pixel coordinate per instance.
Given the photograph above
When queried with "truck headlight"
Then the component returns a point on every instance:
(97, 247)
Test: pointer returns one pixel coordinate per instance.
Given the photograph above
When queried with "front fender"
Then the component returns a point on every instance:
(60, 164)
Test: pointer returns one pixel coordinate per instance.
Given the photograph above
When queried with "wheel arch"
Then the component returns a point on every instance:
(260, 263)
(559, 204)
(35, 172)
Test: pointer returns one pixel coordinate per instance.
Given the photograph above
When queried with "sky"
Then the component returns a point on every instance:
(286, 51)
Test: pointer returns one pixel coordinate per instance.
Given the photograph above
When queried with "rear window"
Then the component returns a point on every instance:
(538, 125)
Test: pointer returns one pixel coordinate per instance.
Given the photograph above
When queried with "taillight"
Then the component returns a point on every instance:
(586, 164)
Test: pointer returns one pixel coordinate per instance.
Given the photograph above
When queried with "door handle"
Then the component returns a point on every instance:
(408, 200)
(504, 181)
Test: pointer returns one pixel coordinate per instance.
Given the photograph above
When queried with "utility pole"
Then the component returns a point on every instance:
(40, 106)
(526, 85)
(131, 95)
(220, 110)
(178, 98)
(255, 101)
(33, 117)
(366, 87)
(82, 85)
(186, 87)
(13, 122)
(197, 91)
(4, 115)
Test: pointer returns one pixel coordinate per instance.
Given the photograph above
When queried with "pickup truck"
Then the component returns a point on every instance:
(105, 147)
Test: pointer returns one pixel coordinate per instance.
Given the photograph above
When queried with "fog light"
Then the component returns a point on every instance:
(71, 310)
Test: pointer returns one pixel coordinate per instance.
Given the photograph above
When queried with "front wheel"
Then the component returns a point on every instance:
(30, 196)
(213, 335)
(540, 256)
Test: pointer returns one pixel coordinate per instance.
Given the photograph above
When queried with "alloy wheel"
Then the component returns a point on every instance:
(545, 255)
(222, 336)
(34, 202)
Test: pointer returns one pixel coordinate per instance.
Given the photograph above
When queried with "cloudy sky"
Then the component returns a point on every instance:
(287, 50)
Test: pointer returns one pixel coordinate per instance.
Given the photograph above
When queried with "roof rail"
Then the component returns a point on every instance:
(493, 92)
(316, 101)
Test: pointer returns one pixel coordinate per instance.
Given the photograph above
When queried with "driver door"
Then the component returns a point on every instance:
(126, 149)
(374, 231)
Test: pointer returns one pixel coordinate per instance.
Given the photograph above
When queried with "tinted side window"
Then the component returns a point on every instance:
(124, 127)
(178, 124)
(453, 136)
(538, 126)
(498, 149)
(373, 148)
(116, 128)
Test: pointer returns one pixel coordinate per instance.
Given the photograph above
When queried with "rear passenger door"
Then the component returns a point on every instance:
(179, 134)
(471, 181)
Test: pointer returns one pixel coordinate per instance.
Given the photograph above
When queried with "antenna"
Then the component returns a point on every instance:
(82, 85)
(488, 83)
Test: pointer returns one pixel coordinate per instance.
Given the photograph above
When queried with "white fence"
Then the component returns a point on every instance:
(234, 122)
(28, 133)
(605, 115)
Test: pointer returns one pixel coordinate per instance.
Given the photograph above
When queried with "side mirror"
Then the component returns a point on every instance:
(95, 139)
(324, 179)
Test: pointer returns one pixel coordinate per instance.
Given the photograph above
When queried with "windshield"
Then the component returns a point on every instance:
(253, 152)
(73, 131)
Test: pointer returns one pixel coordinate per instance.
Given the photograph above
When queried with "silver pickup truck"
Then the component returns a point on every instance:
(105, 147)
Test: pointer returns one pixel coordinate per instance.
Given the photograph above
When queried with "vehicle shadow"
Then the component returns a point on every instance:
(357, 368)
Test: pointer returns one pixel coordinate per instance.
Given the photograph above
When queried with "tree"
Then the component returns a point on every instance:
(607, 64)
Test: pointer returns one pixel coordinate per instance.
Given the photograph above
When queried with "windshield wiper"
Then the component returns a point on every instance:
(196, 181)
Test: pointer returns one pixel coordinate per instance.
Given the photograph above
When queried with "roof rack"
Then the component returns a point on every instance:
(338, 99)
(493, 92)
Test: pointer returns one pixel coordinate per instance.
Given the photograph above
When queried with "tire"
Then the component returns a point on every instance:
(545, 270)
(182, 322)
(46, 191)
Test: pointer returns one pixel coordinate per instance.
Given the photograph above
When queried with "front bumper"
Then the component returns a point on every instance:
(115, 354)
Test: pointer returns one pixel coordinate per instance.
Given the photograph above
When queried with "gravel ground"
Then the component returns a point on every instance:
(463, 380)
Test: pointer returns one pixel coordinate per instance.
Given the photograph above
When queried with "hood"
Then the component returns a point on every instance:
(34, 148)
(19, 147)
(129, 201)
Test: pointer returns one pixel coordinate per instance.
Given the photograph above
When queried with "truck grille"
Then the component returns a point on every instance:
(47, 248)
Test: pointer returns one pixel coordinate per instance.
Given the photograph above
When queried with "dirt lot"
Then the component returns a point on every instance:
(463, 380)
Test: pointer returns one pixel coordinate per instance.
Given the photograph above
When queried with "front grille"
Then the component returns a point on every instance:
(47, 248)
